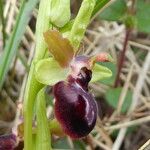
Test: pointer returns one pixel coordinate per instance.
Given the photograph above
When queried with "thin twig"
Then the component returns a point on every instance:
(103, 133)
(119, 140)
(122, 57)
(124, 90)
(139, 45)
(146, 146)
(102, 145)
(140, 83)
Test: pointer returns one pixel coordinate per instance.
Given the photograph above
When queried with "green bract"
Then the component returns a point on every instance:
(48, 71)
(60, 12)
(81, 22)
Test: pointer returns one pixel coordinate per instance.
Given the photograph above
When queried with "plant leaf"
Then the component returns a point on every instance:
(142, 15)
(59, 47)
(48, 71)
(15, 38)
(112, 97)
(61, 143)
(115, 11)
(100, 72)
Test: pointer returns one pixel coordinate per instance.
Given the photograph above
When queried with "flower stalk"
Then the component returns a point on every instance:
(33, 86)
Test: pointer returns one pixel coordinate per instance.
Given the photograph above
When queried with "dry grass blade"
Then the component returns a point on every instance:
(129, 123)
(137, 91)
(146, 146)
(3, 22)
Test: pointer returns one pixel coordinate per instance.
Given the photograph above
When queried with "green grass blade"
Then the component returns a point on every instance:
(12, 45)
(99, 5)
(23, 61)
(3, 22)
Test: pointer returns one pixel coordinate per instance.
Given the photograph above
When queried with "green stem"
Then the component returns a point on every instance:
(3, 22)
(33, 87)
(81, 22)
(42, 136)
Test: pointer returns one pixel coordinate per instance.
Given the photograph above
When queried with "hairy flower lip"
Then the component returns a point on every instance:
(77, 122)
(75, 108)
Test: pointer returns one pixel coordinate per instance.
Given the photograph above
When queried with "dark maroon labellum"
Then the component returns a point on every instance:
(75, 108)
(8, 142)
(84, 77)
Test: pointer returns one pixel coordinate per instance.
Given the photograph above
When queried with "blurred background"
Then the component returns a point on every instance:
(121, 29)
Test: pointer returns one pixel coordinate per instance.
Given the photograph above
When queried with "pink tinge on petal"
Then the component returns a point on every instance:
(103, 57)
(78, 63)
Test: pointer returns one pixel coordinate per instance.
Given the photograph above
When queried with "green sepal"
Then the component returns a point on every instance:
(48, 71)
(100, 72)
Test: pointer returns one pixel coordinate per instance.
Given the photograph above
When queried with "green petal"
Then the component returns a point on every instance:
(59, 47)
(48, 71)
(100, 72)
